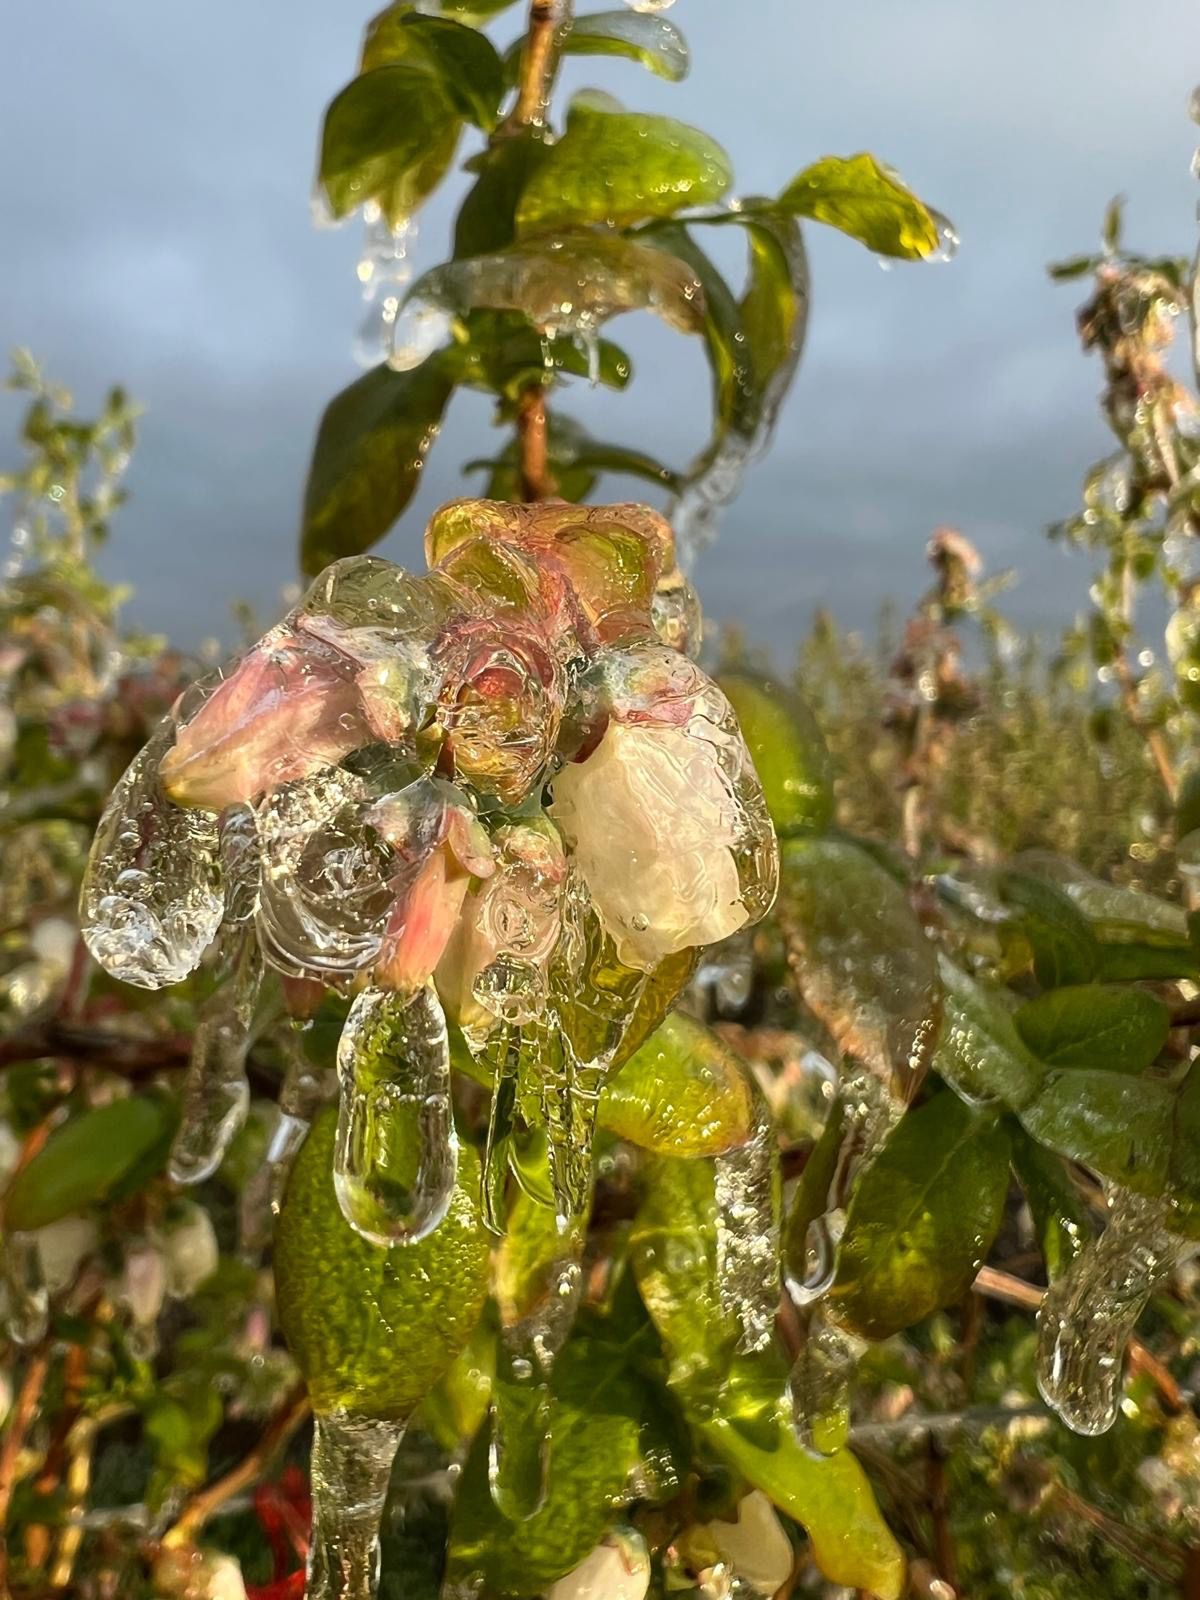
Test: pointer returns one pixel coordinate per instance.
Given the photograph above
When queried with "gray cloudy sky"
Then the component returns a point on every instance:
(154, 174)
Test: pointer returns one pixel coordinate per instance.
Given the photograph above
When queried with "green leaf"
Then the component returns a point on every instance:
(1063, 944)
(660, 992)
(503, 355)
(652, 41)
(1184, 1163)
(921, 1218)
(473, 12)
(1088, 1025)
(379, 131)
(860, 957)
(594, 1431)
(370, 448)
(99, 1155)
(463, 62)
(1120, 1127)
(830, 1496)
(619, 168)
(980, 1053)
(525, 1272)
(673, 1249)
(372, 1330)
(1060, 1219)
(487, 218)
(789, 752)
(812, 1196)
(684, 1093)
(858, 196)
(1128, 962)
(1073, 267)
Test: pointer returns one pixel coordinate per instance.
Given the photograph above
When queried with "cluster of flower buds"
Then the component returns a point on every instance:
(500, 791)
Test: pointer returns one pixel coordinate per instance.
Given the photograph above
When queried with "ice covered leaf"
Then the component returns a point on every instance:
(348, 1307)
(748, 1195)
(653, 41)
(462, 60)
(859, 197)
(1088, 1314)
(396, 1155)
(98, 1156)
(370, 448)
(921, 1218)
(684, 1093)
(979, 1052)
(860, 957)
(350, 1469)
(673, 1246)
(1119, 1126)
(658, 994)
(152, 898)
(1089, 1025)
(487, 218)
(1116, 912)
(376, 131)
(619, 168)
(830, 1496)
(1063, 945)
(566, 286)
(788, 750)
(594, 1423)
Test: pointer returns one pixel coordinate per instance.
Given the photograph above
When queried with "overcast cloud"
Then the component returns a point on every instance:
(154, 175)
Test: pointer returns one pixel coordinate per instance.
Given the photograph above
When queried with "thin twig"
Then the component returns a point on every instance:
(537, 481)
(14, 1440)
(537, 63)
(206, 1502)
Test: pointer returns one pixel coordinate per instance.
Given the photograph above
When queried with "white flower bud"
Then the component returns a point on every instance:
(62, 1245)
(617, 1569)
(755, 1546)
(190, 1250)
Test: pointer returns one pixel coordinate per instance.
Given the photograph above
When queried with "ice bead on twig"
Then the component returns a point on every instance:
(1088, 1314)
(396, 1153)
(151, 899)
(351, 1464)
(216, 1094)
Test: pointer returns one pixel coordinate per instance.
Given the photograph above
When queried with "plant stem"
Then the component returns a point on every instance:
(538, 61)
(14, 1440)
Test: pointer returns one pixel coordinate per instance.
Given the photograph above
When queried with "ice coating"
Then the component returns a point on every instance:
(496, 788)
(1088, 1314)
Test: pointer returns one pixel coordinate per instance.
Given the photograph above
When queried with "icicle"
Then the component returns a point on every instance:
(748, 1201)
(715, 478)
(418, 328)
(216, 1094)
(351, 1465)
(25, 1286)
(821, 1382)
(384, 270)
(301, 1094)
(396, 1154)
(519, 1455)
(151, 899)
(570, 1099)
(1088, 1314)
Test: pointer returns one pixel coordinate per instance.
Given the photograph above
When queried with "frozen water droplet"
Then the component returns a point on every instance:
(519, 1449)
(728, 971)
(351, 1464)
(28, 1298)
(1088, 1314)
(948, 240)
(420, 327)
(820, 1383)
(216, 1094)
(151, 899)
(748, 1203)
(397, 1150)
(649, 7)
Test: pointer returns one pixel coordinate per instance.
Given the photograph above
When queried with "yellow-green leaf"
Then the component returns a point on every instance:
(862, 198)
